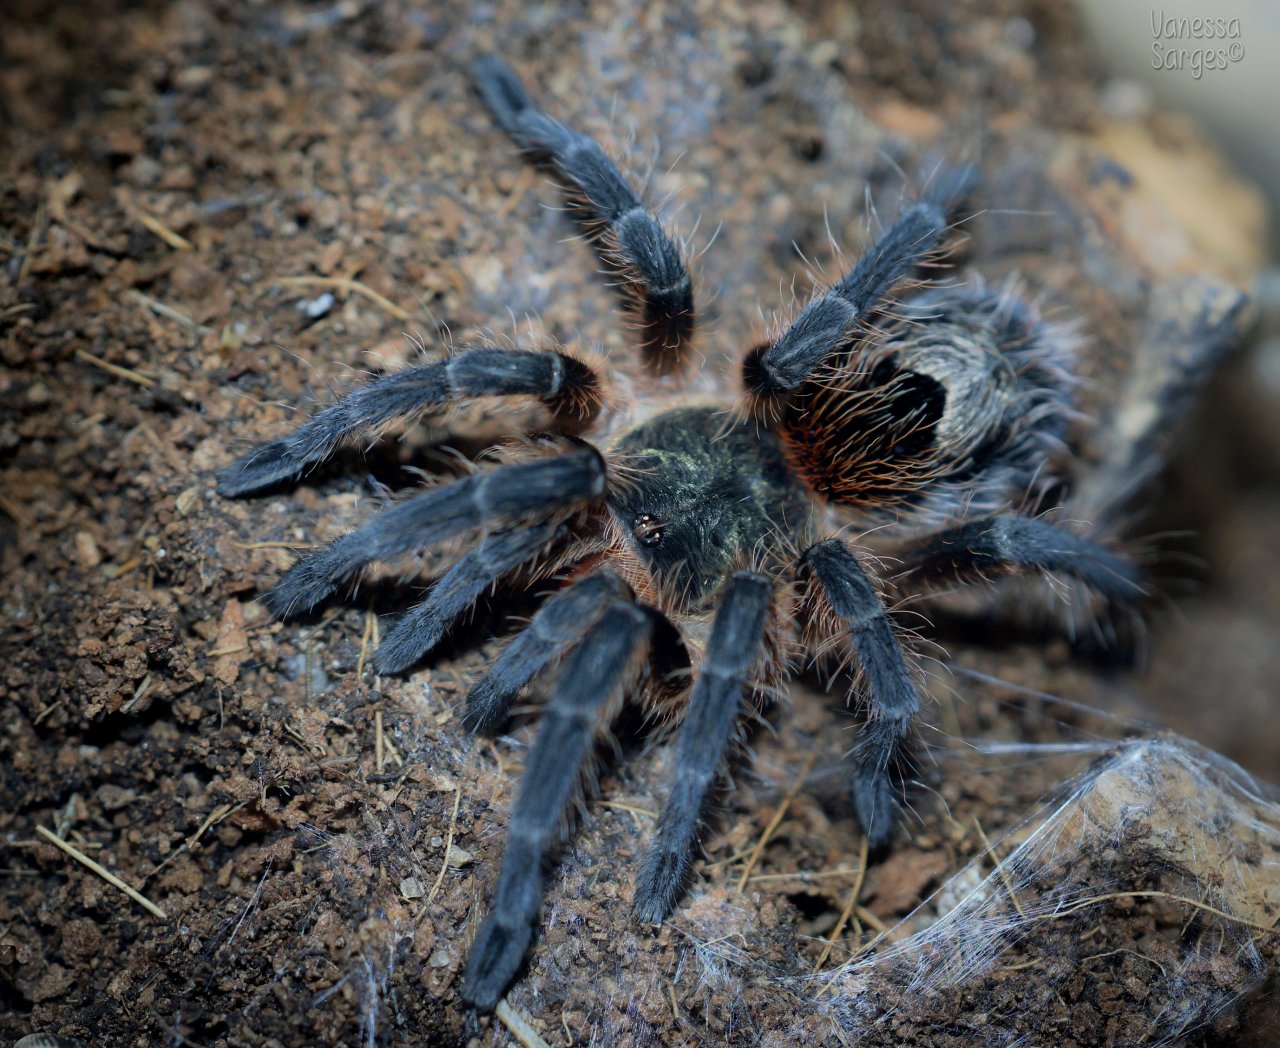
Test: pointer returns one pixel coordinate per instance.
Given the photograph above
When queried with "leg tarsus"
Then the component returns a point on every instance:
(602, 665)
(825, 325)
(504, 937)
(877, 797)
(713, 710)
(633, 242)
(882, 753)
(1007, 544)
(558, 624)
(423, 627)
(564, 382)
(951, 189)
(522, 489)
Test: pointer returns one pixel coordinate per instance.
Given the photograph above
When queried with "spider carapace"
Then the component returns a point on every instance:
(695, 555)
(706, 496)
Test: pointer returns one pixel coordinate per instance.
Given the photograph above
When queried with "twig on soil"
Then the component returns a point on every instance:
(1132, 953)
(214, 817)
(102, 872)
(778, 816)
(115, 369)
(47, 710)
(347, 284)
(448, 846)
(803, 876)
(390, 753)
(1000, 869)
(17, 513)
(519, 1026)
(630, 809)
(366, 639)
(139, 692)
(1153, 894)
(869, 918)
(174, 240)
(154, 305)
(849, 907)
(121, 570)
(218, 652)
(37, 227)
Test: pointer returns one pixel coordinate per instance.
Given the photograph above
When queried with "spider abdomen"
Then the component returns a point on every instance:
(957, 402)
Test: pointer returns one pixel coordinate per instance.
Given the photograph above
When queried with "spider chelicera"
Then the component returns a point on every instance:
(694, 543)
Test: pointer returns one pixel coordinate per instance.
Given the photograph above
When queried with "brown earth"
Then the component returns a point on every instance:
(182, 185)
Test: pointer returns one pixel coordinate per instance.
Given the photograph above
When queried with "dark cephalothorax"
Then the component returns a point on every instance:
(703, 537)
(707, 495)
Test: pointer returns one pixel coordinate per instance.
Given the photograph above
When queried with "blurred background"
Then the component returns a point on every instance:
(1214, 662)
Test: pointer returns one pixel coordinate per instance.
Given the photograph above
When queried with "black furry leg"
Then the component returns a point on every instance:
(1003, 545)
(883, 744)
(594, 672)
(713, 709)
(825, 325)
(523, 489)
(421, 628)
(635, 244)
(565, 383)
(559, 624)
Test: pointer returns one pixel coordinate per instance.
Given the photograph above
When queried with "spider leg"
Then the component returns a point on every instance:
(558, 624)
(595, 672)
(422, 627)
(825, 325)
(566, 384)
(635, 243)
(883, 744)
(523, 489)
(736, 637)
(1006, 544)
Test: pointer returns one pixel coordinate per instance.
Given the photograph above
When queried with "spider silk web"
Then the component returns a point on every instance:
(1146, 892)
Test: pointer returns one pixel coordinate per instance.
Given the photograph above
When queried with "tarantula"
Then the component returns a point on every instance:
(694, 545)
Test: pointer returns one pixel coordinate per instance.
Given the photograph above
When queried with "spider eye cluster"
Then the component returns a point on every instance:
(647, 530)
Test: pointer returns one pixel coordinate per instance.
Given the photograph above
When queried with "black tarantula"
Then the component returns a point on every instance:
(695, 545)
